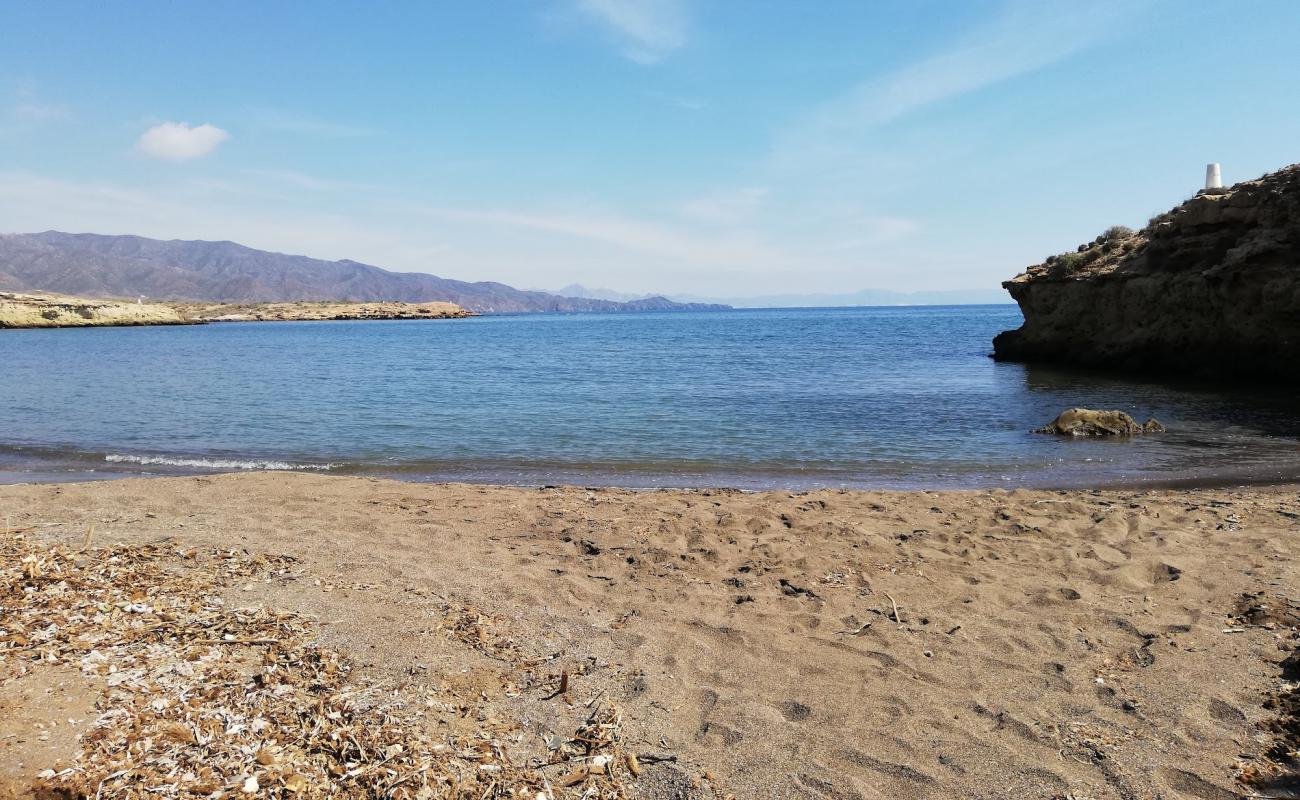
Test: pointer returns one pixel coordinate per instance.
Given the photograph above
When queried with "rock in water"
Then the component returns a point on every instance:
(1209, 288)
(1087, 422)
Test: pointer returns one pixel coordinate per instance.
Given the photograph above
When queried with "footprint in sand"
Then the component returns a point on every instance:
(794, 711)
(1107, 554)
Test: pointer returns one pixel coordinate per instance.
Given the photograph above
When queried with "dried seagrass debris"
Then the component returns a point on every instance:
(204, 700)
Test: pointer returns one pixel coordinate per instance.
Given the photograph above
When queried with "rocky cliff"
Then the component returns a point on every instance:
(1209, 288)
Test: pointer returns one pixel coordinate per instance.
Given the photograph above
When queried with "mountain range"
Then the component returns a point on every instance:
(864, 297)
(94, 265)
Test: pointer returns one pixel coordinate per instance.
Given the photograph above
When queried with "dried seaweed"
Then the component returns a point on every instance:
(204, 700)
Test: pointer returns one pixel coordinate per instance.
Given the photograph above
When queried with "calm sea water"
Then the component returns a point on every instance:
(863, 397)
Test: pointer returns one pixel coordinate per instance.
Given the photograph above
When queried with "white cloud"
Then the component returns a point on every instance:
(647, 30)
(179, 141)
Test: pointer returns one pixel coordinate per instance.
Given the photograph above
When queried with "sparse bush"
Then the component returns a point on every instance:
(1068, 262)
(1116, 232)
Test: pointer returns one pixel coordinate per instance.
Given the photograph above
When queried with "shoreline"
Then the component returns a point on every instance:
(776, 644)
(526, 476)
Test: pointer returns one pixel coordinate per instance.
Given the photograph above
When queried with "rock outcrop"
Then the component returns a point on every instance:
(57, 311)
(1087, 422)
(1210, 288)
(287, 312)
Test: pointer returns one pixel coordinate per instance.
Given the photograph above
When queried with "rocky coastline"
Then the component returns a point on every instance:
(1208, 289)
(58, 311)
(307, 311)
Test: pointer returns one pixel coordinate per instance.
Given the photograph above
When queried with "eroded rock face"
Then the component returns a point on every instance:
(1209, 288)
(1087, 422)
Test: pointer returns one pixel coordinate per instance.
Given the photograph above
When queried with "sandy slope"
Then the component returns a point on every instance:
(1051, 644)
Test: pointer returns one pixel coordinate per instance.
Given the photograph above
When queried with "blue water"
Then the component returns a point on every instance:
(863, 397)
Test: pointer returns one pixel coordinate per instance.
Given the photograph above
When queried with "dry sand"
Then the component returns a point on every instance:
(1051, 644)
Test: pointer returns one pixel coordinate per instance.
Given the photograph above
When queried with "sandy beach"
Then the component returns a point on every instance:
(1084, 644)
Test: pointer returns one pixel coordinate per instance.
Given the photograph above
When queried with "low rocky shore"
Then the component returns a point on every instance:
(58, 311)
(1210, 288)
(308, 311)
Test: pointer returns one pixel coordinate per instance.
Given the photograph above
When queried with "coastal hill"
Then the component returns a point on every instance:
(92, 265)
(1210, 288)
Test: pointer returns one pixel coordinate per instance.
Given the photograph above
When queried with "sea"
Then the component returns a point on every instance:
(791, 399)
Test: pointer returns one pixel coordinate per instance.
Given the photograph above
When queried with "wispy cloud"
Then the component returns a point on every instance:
(873, 231)
(41, 112)
(307, 125)
(30, 202)
(646, 31)
(30, 108)
(721, 251)
(1025, 37)
(180, 141)
(726, 207)
(686, 103)
(302, 180)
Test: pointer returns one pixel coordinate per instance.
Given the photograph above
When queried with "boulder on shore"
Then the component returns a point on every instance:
(1087, 422)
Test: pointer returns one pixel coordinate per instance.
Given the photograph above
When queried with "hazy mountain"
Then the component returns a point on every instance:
(91, 265)
(578, 290)
(865, 297)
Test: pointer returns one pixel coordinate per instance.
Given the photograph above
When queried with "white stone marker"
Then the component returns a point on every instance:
(1213, 178)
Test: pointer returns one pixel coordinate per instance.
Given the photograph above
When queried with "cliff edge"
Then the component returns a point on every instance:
(1209, 288)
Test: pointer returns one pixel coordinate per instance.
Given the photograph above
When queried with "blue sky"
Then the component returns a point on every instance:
(703, 146)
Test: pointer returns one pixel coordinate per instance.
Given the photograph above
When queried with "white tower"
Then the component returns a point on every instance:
(1213, 178)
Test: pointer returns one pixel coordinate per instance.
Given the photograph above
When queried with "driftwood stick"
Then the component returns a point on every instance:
(897, 618)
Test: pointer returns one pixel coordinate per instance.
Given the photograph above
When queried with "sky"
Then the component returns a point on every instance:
(710, 147)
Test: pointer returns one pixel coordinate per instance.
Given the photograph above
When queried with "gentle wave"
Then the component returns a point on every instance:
(213, 463)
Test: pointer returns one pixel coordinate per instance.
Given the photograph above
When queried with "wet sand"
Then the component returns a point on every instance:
(828, 644)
